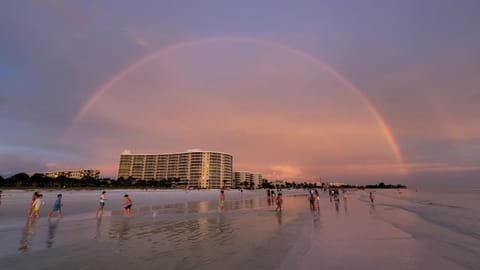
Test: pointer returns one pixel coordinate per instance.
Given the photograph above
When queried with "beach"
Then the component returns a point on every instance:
(178, 229)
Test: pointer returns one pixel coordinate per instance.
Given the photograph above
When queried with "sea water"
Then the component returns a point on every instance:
(454, 209)
(446, 220)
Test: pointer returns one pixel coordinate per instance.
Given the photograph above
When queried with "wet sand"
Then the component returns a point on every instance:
(249, 234)
(364, 236)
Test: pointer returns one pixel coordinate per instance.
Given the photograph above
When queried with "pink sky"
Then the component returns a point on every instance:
(276, 112)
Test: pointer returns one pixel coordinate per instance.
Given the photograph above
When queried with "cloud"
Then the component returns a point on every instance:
(283, 172)
(143, 43)
(134, 36)
(440, 167)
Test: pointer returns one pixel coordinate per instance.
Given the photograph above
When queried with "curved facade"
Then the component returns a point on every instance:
(198, 169)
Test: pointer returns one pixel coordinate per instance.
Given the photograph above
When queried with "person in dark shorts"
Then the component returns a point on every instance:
(57, 207)
(127, 208)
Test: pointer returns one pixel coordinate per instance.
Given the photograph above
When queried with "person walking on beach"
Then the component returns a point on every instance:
(336, 199)
(30, 209)
(279, 202)
(57, 207)
(311, 199)
(317, 201)
(102, 204)
(372, 197)
(222, 200)
(127, 209)
(36, 206)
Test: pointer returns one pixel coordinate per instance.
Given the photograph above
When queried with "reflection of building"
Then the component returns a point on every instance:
(76, 174)
(247, 179)
(199, 169)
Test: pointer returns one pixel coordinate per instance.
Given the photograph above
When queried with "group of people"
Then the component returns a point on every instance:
(334, 195)
(127, 205)
(37, 202)
(313, 197)
(314, 200)
(276, 198)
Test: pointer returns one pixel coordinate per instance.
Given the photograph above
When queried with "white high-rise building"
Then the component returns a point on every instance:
(199, 169)
(247, 179)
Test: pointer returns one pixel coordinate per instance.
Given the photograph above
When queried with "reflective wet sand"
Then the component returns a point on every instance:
(248, 234)
(191, 235)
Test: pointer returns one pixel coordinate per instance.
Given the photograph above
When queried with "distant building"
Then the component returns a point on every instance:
(335, 184)
(278, 183)
(75, 174)
(195, 168)
(247, 179)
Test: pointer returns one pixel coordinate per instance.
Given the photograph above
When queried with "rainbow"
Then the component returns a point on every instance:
(169, 49)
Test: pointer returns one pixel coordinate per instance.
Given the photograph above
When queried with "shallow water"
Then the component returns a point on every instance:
(187, 230)
(187, 234)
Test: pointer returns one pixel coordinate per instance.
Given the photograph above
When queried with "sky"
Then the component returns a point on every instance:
(339, 91)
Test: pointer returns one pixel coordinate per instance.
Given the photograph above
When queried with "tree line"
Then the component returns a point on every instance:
(23, 180)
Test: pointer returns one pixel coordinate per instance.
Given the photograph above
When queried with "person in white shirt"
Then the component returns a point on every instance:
(102, 204)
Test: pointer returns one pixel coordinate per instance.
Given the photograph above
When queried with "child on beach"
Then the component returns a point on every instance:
(127, 209)
(372, 197)
(102, 204)
(36, 206)
(222, 200)
(57, 207)
(279, 202)
(317, 201)
(311, 200)
(30, 209)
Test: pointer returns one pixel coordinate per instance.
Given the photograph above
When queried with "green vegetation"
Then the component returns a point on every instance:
(384, 186)
(23, 180)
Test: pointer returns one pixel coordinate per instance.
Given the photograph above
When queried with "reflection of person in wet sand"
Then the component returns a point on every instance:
(123, 229)
(98, 231)
(279, 217)
(52, 230)
(344, 194)
(27, 234)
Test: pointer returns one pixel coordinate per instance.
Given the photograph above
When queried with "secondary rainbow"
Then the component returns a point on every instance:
(169, 49)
